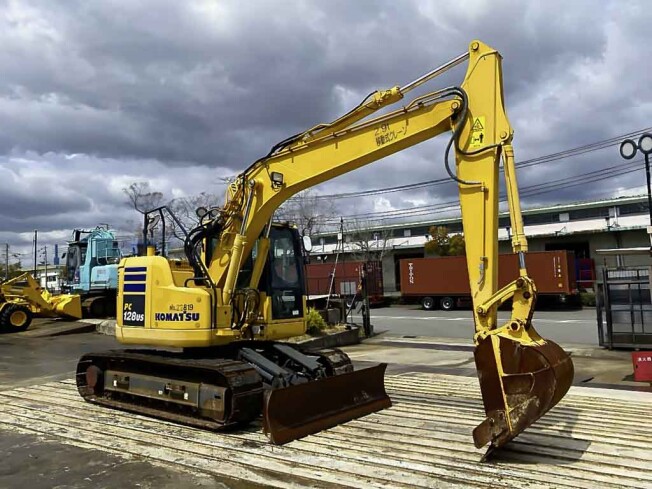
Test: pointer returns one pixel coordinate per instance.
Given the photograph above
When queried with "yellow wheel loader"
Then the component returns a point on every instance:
(244, 290)
(22, 298)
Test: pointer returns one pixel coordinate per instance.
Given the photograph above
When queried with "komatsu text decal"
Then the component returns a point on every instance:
(176, 316)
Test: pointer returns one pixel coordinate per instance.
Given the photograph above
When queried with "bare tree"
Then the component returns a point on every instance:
(142, 198)
(185, 210)
(367, 244)
(308, 211)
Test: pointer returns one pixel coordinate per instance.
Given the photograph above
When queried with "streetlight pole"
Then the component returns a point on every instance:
(649, 193)
(628, 149)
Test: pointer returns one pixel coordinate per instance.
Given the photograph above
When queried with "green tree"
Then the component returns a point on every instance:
(444, 244)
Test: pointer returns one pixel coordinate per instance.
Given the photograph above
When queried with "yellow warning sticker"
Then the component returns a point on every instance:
(478, 131)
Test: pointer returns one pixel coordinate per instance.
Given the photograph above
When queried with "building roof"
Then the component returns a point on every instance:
(567, 207)
(583, 226)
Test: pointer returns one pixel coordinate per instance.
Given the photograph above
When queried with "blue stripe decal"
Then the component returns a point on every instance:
(134, 287)
(135, 269)
(136, 278)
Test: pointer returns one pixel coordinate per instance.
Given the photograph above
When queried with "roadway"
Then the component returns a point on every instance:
(562, 326)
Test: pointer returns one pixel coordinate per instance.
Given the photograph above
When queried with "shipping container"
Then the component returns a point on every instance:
(347, 278)
(444, 281)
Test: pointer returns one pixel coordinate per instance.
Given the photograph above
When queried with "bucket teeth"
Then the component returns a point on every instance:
(294, 412)
(519, 384)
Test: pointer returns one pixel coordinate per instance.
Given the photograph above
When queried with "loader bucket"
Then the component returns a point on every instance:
(519, 384)
(300, 410)
(67, 305)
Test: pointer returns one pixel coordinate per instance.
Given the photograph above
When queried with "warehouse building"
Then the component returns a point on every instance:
(582, 227)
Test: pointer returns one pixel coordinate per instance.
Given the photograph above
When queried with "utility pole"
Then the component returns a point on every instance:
(35, 251)
(46, 266)
(340, 242)
(6, 261)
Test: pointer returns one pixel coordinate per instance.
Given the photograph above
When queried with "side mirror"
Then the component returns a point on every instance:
(200, 212)
(307, 243)
(153, 221)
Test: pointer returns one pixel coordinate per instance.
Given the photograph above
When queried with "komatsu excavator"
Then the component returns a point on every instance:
(245, 288)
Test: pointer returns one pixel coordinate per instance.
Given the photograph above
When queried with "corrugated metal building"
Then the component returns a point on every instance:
(582, 227)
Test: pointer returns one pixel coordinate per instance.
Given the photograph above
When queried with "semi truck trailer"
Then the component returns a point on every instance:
(443, 282)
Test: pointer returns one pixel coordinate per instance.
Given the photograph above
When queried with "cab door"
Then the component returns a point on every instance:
(285, 274)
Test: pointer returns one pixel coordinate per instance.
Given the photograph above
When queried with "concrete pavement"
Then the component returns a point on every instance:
(594, 366)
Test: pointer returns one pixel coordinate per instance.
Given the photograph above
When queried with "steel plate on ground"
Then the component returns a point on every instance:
(592, 438)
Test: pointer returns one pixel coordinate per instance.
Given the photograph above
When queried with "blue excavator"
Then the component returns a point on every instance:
(92, 270)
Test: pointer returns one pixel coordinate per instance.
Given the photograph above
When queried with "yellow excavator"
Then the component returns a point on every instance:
(244, 288)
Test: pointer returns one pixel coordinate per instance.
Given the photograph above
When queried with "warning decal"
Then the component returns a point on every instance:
(478, 132)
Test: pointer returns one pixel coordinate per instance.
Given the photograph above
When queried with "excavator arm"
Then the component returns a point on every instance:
(521, 375)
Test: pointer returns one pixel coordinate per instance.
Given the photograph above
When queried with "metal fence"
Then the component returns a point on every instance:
(624, 308)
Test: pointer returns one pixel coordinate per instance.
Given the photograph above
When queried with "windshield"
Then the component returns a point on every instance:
(285, 272)
(108, 251)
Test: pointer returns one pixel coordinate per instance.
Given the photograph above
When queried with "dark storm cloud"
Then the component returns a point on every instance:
(214, 83)
(182, 93)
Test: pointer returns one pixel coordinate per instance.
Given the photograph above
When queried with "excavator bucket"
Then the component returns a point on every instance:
(519, 384)
(300, 410)
(68, 305)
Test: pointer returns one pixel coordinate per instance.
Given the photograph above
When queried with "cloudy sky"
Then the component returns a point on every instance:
(97, 95)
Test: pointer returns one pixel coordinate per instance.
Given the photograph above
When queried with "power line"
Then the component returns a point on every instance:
(524, 191)
(529, 191)
(522, 164)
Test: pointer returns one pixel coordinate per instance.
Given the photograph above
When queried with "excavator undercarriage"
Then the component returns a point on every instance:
(297, 392)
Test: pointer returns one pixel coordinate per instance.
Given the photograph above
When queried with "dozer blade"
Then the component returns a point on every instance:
(519, 384)
(293, 412)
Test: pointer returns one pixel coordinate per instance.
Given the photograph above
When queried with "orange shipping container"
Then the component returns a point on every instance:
(446, 277)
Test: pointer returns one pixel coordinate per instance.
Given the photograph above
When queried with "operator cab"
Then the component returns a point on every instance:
(283, 278)
(80, 263)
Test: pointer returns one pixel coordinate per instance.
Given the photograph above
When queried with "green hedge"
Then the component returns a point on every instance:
(588, 299)
(315, 322)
